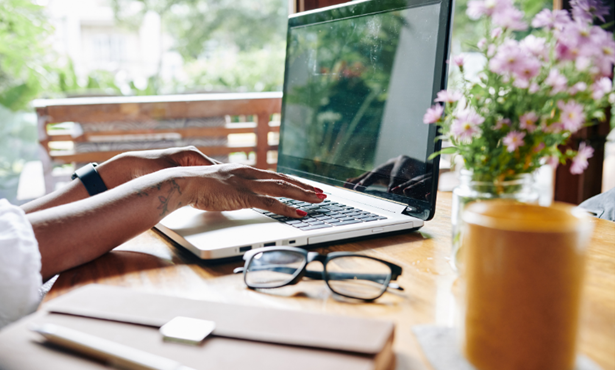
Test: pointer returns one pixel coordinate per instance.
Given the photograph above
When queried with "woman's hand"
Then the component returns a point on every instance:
(130, 165)
(121, 169)
(227, 187)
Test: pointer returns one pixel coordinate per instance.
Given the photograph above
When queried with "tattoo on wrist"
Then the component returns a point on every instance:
(164, 200)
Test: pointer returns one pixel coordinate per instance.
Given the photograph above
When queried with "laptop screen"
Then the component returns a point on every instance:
(358, 81)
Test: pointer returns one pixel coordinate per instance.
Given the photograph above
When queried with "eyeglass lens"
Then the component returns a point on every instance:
(357, 276)
(351, 276)
(273, 269)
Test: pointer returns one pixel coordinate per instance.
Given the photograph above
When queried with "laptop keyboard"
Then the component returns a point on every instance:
(323, 215)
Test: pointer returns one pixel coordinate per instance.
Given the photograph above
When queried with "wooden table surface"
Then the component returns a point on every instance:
(151, 263)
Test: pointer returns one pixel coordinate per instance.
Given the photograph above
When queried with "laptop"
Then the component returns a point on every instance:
(358, 80)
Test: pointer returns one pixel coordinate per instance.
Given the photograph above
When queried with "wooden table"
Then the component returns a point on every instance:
(151, 263)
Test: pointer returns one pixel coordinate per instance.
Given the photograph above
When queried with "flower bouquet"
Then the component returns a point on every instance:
(531, 96)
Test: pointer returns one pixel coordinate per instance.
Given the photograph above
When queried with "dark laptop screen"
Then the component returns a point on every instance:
(356, 88)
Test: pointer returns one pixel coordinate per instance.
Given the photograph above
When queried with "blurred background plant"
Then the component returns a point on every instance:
(77, 48)
(71, 48)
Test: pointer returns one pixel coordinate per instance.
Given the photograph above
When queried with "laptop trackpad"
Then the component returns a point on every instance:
(205, 230)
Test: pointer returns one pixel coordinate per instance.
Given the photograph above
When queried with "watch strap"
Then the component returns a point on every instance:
(90, 179)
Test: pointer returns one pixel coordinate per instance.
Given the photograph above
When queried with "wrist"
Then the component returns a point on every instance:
(175, 187)
(117, 170)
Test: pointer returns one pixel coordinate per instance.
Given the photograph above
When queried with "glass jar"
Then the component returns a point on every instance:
(520, 188)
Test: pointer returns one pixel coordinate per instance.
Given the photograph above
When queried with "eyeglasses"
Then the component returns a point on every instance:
(347, 274)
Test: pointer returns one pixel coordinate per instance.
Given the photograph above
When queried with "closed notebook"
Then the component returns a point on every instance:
(245, 337)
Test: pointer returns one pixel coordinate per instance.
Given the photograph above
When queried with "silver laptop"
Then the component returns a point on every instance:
(358, 80)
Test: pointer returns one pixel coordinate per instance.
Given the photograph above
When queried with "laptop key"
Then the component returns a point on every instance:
(333, 221)
(349, 222)
(301, 225)
(315, 227)
(370, 219)
(291, 222)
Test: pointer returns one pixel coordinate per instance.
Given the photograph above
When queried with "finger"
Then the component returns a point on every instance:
(350, 182)
(258, 174)
(282, 188)
(412, 182)
(417, 188)
(370, 179)
(275, 206)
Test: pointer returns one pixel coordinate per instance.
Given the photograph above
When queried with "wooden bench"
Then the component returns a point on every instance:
(157, 122)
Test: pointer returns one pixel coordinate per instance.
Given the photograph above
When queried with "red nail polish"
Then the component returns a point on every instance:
(301, 213)
(321, 196)
(318, 190)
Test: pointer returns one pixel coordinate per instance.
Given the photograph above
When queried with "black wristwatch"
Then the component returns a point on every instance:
(90, 179)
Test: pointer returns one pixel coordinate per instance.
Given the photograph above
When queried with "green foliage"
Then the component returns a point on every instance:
(246, 24)
(227, 45)
(24, 61)
(255, 70)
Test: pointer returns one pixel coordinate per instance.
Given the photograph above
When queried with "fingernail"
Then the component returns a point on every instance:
(301, 213)
(321, 196)
(395, 188)
(318, 190)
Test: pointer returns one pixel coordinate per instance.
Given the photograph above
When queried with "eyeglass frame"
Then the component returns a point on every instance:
(312, 256)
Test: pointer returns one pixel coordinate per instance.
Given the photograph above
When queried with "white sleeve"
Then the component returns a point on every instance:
(20, 265)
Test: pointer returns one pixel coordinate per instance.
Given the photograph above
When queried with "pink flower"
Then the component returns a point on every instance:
(508, 58)
(528, 121)
(586, 10)
(578, 40)
(552, 161)
(551, 19)
(465, 124)
(579, 162)
(527, 69)
(582, 63)
(433, 114)
(446, 96)
(511, 19)
(521, 83)
(491, 50)
(481, 43)
(554, 128)
(496, 32)
(458, 60)
(605, 52)
(534, 87)
(601, 87)
(539, 147)
(500, 123)
(535, 46)
(478, 8)
(513, 140)
(572, 115)
(557, 81)
(579, 86)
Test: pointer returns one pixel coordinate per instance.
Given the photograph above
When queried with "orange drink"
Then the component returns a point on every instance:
(522, 273)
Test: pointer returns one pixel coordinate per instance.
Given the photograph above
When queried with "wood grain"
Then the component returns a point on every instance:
(151, 263)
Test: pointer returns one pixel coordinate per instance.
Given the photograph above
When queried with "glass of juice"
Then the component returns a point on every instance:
(522, 276)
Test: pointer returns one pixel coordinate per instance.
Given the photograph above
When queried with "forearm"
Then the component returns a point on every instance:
(80, 231)
(113, 172)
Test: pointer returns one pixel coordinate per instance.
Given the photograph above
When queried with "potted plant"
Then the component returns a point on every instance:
(527, 101)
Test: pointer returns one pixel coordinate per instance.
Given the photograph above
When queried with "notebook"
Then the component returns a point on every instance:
(358, 80)
(245, 337)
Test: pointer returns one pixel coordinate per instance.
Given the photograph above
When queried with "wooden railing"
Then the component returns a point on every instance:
(237, 108)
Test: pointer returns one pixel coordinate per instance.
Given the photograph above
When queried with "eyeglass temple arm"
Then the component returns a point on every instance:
(319, 275)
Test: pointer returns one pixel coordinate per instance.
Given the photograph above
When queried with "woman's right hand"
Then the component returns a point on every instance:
(131, 165)
(227, 187)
